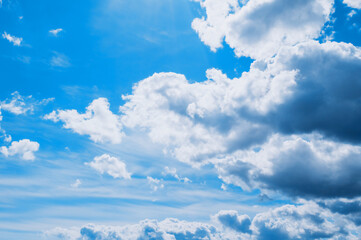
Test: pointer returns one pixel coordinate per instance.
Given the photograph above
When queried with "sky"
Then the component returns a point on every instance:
(180, 119)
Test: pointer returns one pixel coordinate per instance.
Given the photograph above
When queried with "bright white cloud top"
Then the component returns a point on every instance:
(259, 28)
(25, 148)
(98, 122)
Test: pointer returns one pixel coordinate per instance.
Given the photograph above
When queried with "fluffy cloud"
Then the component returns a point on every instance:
(353, 3)
(98, 122)
(260, 27)
(110, 165)
(25, 148)
(270, 108)
(307, 221)
(16, 41)
(311, 165)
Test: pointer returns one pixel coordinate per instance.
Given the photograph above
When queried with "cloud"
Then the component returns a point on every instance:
(259, 28)
(16, 41)
(313, 167)
(19, 104)
(272, 108)
(110, 165)
(76, 184)
(155, 184)
(350, 209)
(168, 229)
(353, 3)
(173, 172)
(59, 60)
(55, 32)
(232, 220)
(98, 122)
(25, 148)
(306, 221)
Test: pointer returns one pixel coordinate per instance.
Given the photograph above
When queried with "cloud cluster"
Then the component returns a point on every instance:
(306, 221)
(110, 165)
(25, 148)
(98, 122)
(259, 28)
(297, 110)
(287, 113)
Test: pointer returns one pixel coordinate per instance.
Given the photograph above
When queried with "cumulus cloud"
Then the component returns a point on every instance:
(98, 122)
(353, 3)
(25, 148)
(16, 41)
(55, 32)
(259, 28)
(306, 221)
(110, 165)
(272, 106)
(313, 167)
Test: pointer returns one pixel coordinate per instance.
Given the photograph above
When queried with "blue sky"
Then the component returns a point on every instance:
(216, 119)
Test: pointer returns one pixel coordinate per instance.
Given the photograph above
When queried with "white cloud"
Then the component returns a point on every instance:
(353, 3)
(25, 148)
(173, 172)
(98, 122)
(290, 93)
(55, 32)
(19, 104)
(59, 60)
(110, 165)
(351, 13)
(306, 221)
(76, 184)
(155, 184)
(259, 28)
(16, 41)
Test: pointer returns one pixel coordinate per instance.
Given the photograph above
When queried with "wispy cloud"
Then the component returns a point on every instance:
(16, 41)
(55, 32)
(59, 60)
